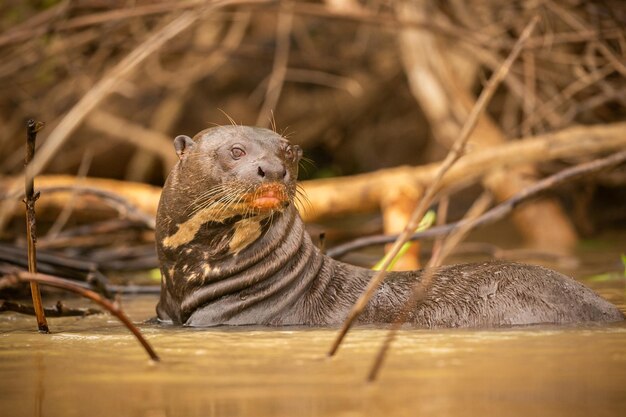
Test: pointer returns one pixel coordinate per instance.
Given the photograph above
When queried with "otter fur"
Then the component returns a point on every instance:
(233, 250)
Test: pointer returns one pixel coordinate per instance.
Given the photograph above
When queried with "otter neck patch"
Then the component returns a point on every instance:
(246, 231)
(187, 230)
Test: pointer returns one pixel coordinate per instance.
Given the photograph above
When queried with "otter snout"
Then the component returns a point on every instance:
(272, 172)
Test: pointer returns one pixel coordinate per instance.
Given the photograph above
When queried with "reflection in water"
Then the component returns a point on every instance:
(39, 380)
(93, 367)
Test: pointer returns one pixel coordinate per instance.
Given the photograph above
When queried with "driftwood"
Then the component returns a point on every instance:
(366, 192)
(127, 197)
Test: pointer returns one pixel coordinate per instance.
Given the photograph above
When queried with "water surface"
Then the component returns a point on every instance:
(93, 367)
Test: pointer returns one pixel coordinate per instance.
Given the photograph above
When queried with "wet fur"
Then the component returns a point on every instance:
(243, 266)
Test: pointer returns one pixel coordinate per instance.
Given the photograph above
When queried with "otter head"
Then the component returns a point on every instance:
(237, 171)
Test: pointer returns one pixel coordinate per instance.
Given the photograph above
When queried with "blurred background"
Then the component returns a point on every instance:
(342, 90)
(360, 85)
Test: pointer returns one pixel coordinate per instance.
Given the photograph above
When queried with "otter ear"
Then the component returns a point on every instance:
(183, 144)
(298, 152)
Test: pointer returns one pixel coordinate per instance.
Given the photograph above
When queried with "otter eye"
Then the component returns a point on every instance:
(289, 152)
(237, 152)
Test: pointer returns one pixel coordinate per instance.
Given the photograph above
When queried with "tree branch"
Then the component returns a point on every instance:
(496, 213)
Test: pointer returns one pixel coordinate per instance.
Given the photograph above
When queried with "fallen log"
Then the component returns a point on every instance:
(366, 192)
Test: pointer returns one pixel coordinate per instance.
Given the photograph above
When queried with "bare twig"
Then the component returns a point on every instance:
(106, 85)
(30, 197)
(38, 24)
(388, 20)
(568, 92)
(65, 214)
(281, 58)
(349, 85)
(581, 26)
(52, 263)
(112, 308)
(147, 140)
(442, 215)
(21, 33)
(454, 154)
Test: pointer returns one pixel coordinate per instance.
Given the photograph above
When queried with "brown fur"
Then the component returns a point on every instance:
(259, 266)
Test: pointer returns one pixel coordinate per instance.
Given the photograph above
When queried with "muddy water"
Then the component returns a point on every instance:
(93, 367)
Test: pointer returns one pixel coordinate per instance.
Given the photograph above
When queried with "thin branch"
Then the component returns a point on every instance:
(279, 70)
(568, 92)
(456, 33)
(67, 211)
(30, 198)
(420, 289)
(442, 215)
(105, 86)
(496, 213)
(455, 153)
(112, 308)
(388, 20)
(19, 34)
(123, 130)
(122, 205)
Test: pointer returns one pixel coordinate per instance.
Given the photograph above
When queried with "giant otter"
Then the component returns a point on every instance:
(233, 251)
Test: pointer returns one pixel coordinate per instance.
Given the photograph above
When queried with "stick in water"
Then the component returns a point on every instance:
(30, 197)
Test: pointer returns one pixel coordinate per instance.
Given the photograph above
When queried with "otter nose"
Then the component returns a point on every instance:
(271, 172)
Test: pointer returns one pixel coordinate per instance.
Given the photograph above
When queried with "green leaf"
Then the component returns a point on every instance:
(426, 222)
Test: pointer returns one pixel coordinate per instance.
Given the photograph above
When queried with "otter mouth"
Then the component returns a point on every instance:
(269, 197)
